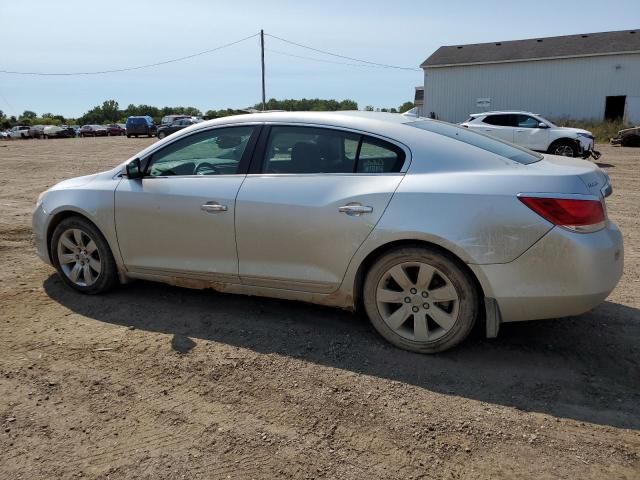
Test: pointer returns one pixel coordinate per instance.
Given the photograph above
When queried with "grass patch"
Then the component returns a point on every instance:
(602, 131)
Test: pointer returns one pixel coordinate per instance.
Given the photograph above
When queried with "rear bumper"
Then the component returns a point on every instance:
(563, 274)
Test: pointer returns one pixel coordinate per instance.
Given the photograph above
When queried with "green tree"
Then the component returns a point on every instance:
(406, 106)
(110, 111)
(306, 104)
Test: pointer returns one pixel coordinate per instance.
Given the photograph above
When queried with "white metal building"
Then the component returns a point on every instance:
(593, 76)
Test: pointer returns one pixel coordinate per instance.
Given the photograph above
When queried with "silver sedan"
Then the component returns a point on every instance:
(426, 226)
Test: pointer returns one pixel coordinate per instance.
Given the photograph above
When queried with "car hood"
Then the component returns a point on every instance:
(575, 130)
(594, 178)
(80, 181)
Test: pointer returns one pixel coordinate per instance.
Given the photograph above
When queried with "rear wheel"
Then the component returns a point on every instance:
(82, 256)
(420, 300)
(563, 148)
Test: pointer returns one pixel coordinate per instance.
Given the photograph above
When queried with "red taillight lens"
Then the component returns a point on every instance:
(580, 215)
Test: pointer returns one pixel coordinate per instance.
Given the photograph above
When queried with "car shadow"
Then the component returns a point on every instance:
(586, 368)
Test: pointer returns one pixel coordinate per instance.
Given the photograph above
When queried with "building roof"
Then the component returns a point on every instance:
(587, 44)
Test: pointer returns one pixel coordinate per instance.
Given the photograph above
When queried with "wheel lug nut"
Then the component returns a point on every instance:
(425, 294)
(425, 306)
(414, 291)
(407, 300)
(415, 309)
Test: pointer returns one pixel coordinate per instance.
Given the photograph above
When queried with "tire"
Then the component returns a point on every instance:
(161, 135)
(429, 325)
(564, 148)
(103, 274)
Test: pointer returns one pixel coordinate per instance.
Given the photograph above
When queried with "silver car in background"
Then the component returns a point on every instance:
(425, 225)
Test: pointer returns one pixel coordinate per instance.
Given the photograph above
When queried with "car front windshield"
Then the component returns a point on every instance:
(490, 144)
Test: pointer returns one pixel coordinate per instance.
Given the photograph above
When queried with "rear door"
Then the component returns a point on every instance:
(315, 196)
(501, 125)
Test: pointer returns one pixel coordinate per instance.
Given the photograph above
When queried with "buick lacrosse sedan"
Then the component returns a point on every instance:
(427, 226)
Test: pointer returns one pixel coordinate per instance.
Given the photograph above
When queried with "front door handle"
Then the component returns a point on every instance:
(355, 209)
(213, 207)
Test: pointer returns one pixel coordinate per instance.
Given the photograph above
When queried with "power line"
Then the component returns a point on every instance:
(139, 67)
(341, 56)
(319, 59)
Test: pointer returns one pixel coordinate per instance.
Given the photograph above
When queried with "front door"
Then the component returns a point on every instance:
(179, 218)
(318, 194)
(529, 134)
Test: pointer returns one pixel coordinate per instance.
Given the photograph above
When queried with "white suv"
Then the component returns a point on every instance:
(534, 132)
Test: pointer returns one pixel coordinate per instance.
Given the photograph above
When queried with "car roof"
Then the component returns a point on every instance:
(330, 118)
(502, 112)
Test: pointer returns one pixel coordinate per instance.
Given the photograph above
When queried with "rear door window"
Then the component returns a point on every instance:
(295, 149)
(502, 120)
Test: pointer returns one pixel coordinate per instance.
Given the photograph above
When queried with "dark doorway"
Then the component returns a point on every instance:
(614, 108)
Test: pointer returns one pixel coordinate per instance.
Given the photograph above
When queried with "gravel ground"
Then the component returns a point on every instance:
(157, 382)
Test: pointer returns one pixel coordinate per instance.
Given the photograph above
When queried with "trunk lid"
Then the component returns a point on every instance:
(594, 178)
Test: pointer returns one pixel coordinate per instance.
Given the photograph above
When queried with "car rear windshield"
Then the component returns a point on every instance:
(504, 149)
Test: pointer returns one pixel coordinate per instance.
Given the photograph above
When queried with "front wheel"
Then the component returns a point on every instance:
(564, 149)
(420, 300)
(82, 256)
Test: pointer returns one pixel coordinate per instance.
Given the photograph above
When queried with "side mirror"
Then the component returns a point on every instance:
(543, 125)
(132, 170)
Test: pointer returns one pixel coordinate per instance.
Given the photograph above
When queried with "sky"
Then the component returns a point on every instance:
(72, 36)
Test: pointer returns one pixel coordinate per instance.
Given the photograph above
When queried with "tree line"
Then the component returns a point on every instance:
(110, 111)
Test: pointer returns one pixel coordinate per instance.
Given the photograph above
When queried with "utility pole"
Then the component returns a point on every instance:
(262, 58)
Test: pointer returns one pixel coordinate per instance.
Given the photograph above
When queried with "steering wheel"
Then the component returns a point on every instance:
(205, 168)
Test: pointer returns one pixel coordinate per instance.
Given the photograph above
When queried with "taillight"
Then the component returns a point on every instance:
(574, 214)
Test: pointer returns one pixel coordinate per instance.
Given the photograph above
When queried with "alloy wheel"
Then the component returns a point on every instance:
(417, 301)
(79, 257)
(564, 150)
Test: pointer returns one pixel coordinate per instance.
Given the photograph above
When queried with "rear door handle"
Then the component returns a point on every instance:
(213, 207)
(355, 209)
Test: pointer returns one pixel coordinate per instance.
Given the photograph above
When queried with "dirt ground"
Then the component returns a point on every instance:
(157, 382)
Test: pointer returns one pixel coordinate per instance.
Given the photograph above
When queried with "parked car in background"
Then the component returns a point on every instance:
(165, 130)
(19, 131)
(115, 130)
(169, 119)
(36, 131)
(534, 132)
(629, 137)
(140, 125)
(428, 225)
(93, 131)
(61, 131)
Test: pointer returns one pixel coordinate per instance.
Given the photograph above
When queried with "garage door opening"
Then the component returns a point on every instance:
(614, 108)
